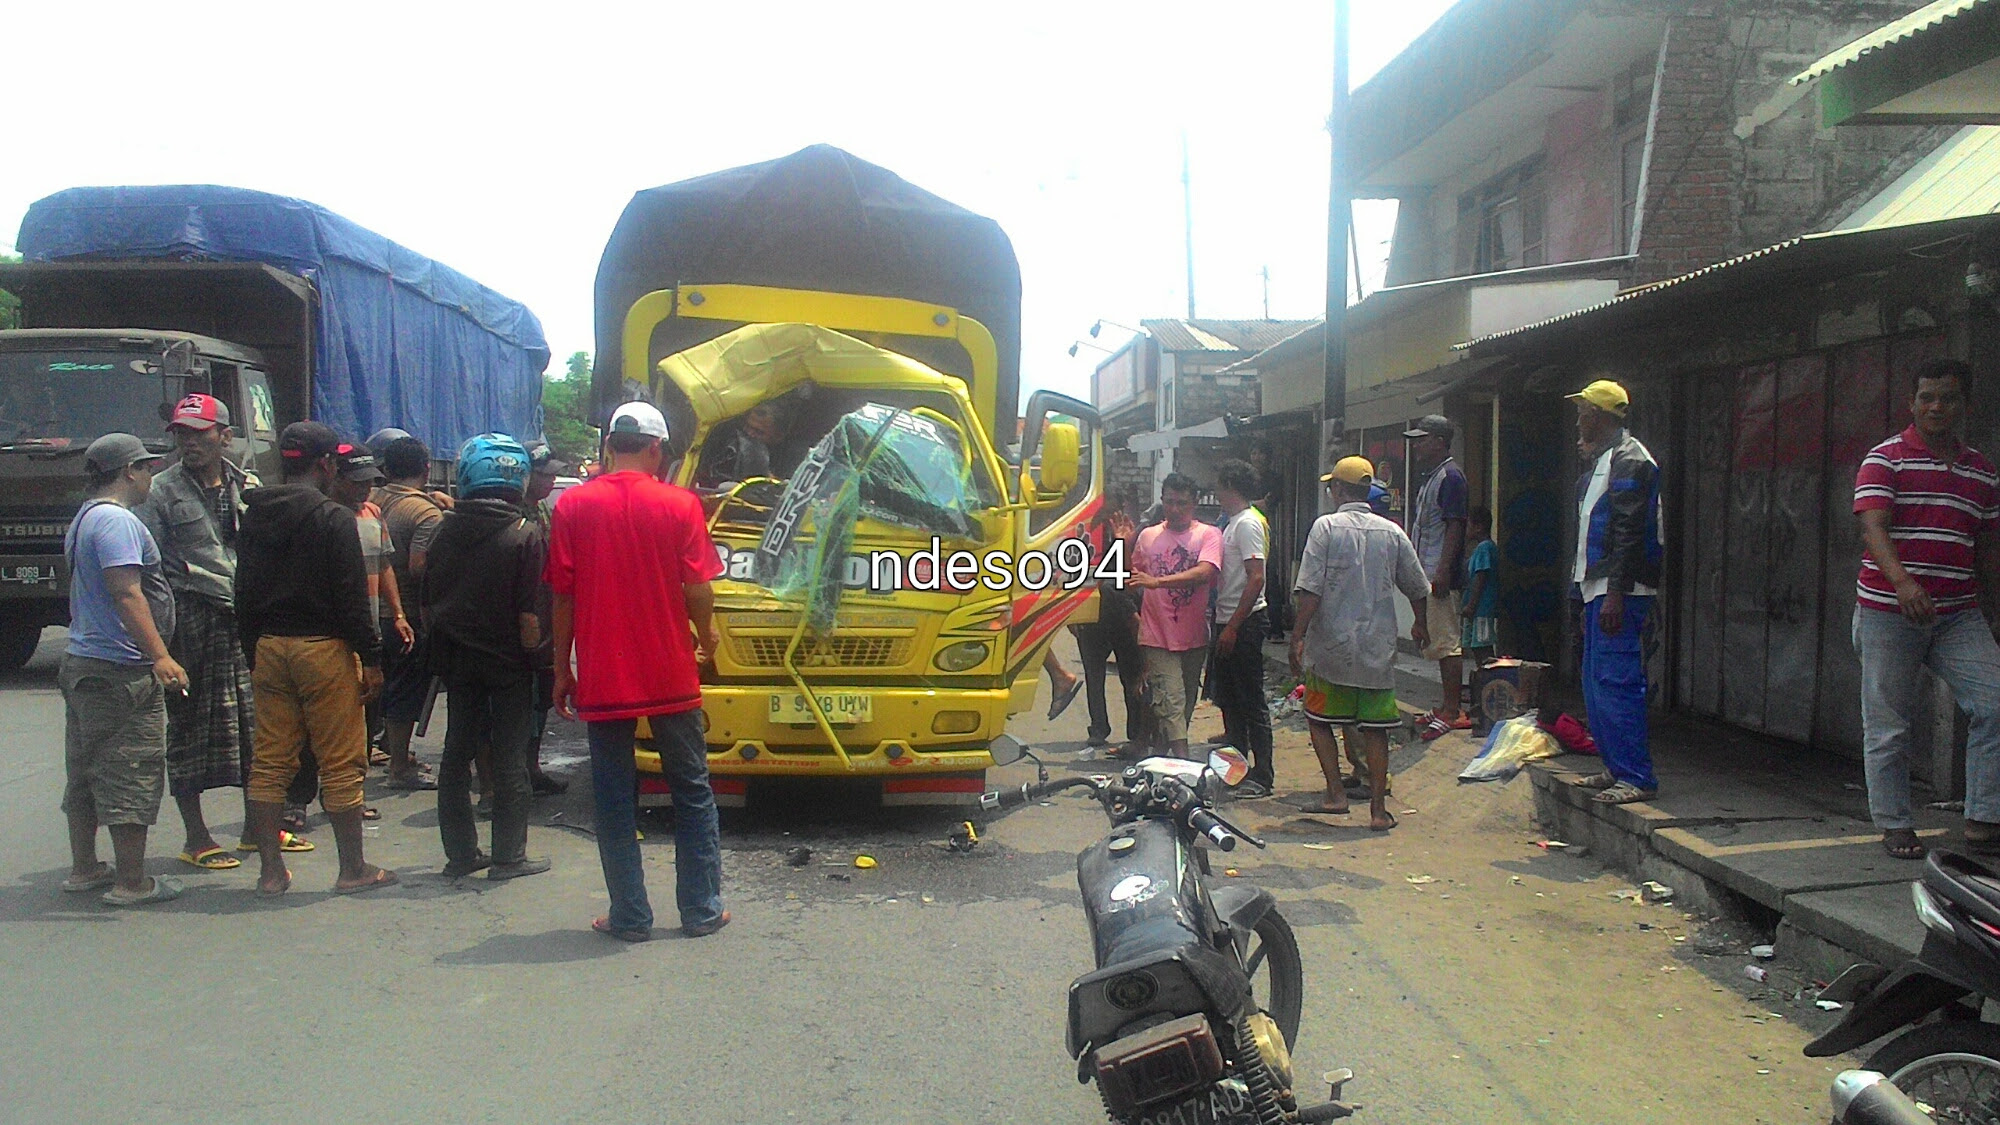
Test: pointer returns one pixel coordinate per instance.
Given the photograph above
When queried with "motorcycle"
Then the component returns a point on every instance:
(1949, 1059)
(1190, 1014)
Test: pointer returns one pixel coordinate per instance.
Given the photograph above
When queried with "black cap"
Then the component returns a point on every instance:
(1432, 425)
(543, 460)
(307, 441)
(357, 464)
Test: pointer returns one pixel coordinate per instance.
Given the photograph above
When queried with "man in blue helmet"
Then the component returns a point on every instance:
(481, 600)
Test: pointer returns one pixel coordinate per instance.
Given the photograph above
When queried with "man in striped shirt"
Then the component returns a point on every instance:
(1930, 526)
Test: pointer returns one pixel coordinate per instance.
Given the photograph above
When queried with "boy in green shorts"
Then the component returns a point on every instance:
(1344, 635)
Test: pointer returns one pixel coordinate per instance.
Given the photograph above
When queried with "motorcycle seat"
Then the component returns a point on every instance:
(1966, 882)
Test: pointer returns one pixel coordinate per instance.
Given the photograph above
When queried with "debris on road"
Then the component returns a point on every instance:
(840, 876)
(1656, 892)
(1757, 973)
(1763, 952)
(1827, 1005)
(864, 862)
(1631, 895)
(963, 838)
(1547, 845)
(1232, 872)
(1418, 880)
(798, 856)
(1319, 847)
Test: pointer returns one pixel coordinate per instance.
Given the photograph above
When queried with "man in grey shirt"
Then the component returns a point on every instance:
(1344, 635)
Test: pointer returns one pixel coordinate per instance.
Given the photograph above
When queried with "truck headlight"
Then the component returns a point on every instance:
(961, 656)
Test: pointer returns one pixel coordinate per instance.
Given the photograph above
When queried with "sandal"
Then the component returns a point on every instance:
(106, 876)
(1321, 808)
(1624, 793)
(292, 820)
(378, 758)
(413, 781)
(1373, 827)
(603, 926)
(383, 877)
(165, 888)
(1060, 701)
(212, 858)
(1902, 843)
(286, 843)
(1594, 781)
(370, 812)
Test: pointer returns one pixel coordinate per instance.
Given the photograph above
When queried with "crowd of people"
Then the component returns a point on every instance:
(284, 637)
(1196, 612)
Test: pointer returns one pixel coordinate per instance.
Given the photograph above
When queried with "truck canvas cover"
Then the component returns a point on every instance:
(819, 219)
(399, 339)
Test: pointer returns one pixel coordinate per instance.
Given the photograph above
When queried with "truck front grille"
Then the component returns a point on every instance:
(827, 652)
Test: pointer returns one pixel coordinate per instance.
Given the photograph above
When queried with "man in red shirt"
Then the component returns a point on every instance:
(630, 561)
(1929, 508)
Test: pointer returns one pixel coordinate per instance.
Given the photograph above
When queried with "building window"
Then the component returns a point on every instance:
(1500, 222)
(1632, 98)
(1634, 160)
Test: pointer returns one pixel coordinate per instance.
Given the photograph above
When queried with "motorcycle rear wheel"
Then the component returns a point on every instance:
(1952, 1066)
(1281, 990)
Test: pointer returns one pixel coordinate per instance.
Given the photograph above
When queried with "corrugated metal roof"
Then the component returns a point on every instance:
(1204, 335)
(1917, 22)
(1960, 177)
(1812, 254)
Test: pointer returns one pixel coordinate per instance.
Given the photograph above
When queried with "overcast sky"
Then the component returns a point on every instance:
(504, 140)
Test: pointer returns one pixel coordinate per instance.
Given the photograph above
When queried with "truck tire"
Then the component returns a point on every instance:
(17, 645)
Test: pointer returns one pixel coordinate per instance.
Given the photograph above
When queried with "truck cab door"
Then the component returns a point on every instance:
(255, 445)
(1061, 482)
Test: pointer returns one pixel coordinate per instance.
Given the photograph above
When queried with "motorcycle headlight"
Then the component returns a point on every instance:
(961, 656)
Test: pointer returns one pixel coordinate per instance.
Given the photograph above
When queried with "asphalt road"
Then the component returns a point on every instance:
(1507, 987)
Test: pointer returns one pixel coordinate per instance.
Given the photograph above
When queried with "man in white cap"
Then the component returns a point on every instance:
(115, 676)
(630, 561)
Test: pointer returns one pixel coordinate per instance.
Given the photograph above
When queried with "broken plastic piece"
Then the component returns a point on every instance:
(1419, 880)
(864, 862)
(1763, 952)
(1657, 892)
(1827, 1005)
(1757, 973)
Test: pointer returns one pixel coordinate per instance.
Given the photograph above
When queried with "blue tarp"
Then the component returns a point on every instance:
(402, 340)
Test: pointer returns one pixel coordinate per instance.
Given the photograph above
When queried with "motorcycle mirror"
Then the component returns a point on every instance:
(1229, 764)
(1007, 750)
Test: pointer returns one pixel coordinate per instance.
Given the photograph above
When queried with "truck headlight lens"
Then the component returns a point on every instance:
(961, 656)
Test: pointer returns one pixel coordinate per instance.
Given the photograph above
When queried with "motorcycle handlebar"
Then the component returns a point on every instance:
(1204, 822)
(1001, 798)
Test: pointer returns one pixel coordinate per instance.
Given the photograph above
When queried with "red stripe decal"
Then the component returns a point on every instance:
(935, 785)
(732, 786)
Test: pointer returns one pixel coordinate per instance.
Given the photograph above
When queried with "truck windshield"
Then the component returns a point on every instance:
(64, 399)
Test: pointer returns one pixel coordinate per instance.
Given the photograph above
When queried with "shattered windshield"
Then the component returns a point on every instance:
(903, 467)
(65, 399)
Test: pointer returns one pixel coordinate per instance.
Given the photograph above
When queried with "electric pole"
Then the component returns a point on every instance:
(1333, 412)
(1187, 218)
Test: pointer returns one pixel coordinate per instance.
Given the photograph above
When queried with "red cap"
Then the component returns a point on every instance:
(199, 412)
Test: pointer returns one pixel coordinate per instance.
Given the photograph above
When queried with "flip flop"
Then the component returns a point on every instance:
(1384, 827)
(1060, 702)
(370, 812)
(286, 843)
(106, 876)
(165, 888)
(1594, 781)
(378, 758)
(1321, 808)
(603, 926)
(1902, 843)
(416, 784)
(1624, 793)
(292, 820)
(285, 886)
(211, 859)
(383, 878)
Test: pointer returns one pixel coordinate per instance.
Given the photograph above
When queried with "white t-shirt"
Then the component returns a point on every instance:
(1244, 537)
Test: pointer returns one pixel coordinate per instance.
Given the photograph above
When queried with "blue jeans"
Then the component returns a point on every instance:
(697, 840)
(1960, 650)
(1614, 692)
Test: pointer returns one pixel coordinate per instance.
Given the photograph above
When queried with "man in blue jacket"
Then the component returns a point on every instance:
(1617, 575)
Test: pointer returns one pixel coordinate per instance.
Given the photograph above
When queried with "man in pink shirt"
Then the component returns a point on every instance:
(1175, 563)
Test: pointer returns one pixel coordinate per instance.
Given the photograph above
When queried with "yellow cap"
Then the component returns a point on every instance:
(1604, 395)
(1352, 470)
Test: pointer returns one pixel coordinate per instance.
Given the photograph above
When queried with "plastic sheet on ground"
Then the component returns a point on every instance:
(1510, 746)
(891, 465)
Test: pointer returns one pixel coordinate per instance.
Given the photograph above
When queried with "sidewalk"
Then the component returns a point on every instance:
(1772, 833)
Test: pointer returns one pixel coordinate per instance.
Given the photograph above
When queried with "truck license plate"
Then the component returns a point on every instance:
(841, 708)
(28, 575)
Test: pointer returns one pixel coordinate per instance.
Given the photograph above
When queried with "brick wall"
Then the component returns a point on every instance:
(1199, 398)
(1739, 160)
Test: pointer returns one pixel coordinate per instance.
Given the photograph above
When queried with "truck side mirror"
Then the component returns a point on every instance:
(1061, 457)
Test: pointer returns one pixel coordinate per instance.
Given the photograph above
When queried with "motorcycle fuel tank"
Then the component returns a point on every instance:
(1142, 892)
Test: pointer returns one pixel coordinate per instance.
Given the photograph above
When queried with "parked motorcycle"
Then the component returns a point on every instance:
(1190, 1015)
(1949, 1059)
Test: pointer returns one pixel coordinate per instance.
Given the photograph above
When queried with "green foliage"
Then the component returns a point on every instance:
(10, 305)
(566, 411)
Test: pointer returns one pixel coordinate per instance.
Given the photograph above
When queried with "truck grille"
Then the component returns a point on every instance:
(827, 652)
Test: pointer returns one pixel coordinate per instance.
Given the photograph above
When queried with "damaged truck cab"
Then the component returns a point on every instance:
(851, 492)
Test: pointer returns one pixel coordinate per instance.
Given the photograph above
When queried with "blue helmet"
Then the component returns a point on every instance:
(491, 461)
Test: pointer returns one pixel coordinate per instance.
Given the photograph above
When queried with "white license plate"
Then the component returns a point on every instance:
(28, 575)
(841, 708)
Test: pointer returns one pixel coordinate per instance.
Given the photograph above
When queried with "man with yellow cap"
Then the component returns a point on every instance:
(1344, 632)
(1617, 574)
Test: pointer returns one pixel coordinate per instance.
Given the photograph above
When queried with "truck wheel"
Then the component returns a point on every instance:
(17, 645)
(1953, 1066)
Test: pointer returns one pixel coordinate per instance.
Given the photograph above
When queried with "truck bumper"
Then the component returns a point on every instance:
(900, 746)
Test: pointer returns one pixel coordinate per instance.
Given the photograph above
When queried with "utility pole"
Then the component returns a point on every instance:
(1187, 218)
(1333, 412)
(1266, 272)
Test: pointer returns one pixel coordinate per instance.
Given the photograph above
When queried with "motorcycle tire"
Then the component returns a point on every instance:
(1278, 947)
(1952, 1066)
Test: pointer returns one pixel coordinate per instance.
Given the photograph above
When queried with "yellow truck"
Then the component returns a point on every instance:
(899, 546)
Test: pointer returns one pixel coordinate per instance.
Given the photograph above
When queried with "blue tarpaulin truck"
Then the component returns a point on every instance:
(134, 296)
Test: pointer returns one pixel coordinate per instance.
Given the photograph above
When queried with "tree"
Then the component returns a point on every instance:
(10, 305)
(566, 411)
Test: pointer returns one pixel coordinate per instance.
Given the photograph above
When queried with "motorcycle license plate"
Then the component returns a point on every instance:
(841, 708)
(1217, 1105)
